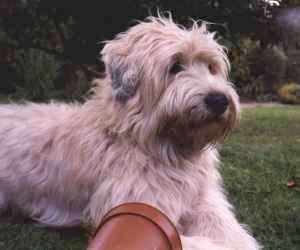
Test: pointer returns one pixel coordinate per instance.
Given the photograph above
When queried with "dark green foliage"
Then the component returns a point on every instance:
(35, 72)
(262, 71)
(69, 33)
(263, 42)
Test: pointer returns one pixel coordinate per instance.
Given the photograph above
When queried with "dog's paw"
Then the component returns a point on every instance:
(245, 244)
(200, 243)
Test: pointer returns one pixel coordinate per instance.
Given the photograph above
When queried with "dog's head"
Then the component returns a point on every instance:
(175, 79)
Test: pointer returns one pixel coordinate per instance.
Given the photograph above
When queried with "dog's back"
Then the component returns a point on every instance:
(27, 155)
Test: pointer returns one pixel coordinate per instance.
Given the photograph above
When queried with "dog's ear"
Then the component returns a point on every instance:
(123, 74)
(123, 79)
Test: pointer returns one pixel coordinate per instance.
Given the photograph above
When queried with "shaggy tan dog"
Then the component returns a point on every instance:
(148, 134)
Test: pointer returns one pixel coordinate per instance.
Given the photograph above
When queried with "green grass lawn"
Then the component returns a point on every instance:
(261, 156)
(259, 159)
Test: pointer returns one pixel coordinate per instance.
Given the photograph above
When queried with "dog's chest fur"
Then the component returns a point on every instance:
(124, 177)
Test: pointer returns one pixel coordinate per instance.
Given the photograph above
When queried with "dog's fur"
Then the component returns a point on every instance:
(145, 135)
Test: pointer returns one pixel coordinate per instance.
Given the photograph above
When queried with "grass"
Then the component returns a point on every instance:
(259, 159)
(261, 156)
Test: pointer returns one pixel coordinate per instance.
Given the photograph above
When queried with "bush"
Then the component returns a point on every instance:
(269, 65)
(290, 93)
(258, 72)
(42, 77)
(35, 73)
(247, 85)
(293, 67)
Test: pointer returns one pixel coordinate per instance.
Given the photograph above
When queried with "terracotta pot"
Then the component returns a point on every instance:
(135, 226)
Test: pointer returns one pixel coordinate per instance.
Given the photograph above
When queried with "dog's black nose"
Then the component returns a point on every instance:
(216, 103)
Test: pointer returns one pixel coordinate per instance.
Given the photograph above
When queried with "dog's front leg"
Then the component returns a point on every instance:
(213, 218)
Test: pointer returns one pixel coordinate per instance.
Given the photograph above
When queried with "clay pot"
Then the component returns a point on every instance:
(135, 226)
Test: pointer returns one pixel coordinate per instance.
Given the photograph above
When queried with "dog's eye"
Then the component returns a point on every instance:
(212, 68)
(176, 68)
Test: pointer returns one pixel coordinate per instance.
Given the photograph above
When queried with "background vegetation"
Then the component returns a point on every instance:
(49, 49)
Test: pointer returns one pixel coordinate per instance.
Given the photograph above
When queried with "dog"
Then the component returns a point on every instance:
(149, 133)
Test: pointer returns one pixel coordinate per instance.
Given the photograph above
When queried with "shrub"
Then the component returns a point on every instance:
(35, 73)
(41, 77)
(290, 93)
(240, 73)
(258, 72)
